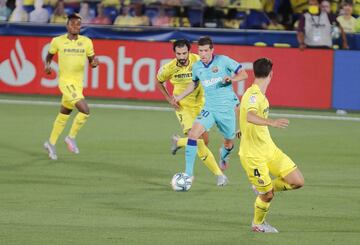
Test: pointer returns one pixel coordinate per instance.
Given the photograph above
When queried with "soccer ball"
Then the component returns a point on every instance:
(181, 182)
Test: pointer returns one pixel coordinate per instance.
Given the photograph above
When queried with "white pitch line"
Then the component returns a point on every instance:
(159, 108)
(319, 117)
(109, 106)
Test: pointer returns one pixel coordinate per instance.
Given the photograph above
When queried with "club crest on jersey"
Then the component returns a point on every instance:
(252, 99)
(79, 44)
(214, 69)
(74, 95)
(260, 181)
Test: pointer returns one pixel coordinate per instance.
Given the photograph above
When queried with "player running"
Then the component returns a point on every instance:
(179, 72)
(259, 155)
(216, 74)
(72, 49)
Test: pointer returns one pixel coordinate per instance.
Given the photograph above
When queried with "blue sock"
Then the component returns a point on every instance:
(190, 155)
(225, 153)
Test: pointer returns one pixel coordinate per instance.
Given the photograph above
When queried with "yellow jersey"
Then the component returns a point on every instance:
(180, 77)
(72, 55)
(256, 141)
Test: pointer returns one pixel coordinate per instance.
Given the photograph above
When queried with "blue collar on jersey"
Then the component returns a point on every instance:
(207, 66)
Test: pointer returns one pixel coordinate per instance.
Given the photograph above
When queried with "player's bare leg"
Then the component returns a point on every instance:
(82, 106)
(295, 179)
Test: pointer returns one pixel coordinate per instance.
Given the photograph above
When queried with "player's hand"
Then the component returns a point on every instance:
(280, 123)
(176, 99)
(94, 63)
(227, 80)
(174, 103)
(48, 70)
(302, 46)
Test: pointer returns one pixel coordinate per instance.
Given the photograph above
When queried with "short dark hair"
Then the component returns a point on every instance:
(262, 67)
(182, 43)
(206, 40)
(347, 3)
(73, 16)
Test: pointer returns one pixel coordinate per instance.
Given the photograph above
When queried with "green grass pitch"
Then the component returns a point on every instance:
(117, 190)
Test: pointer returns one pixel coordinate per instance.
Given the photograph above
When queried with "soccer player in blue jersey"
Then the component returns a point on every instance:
(216, 73)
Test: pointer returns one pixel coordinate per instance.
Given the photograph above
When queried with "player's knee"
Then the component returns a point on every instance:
(193, 135)
(85, 110)
(267, 197)
(228, 144)
(298, 183)
(205, 137)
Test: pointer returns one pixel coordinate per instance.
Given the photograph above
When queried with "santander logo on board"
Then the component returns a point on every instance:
(17, 70)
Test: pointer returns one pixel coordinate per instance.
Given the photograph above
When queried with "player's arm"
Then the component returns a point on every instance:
(93, 61)
(190, 88)
(53, 49)
(276, 123)
(48, 60)
(241, 75)
(167, 95)
(90, 53)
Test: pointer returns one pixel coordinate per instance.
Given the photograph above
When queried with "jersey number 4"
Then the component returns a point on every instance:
(256, 172)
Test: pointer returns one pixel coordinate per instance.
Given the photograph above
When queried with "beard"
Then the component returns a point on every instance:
(182, 61)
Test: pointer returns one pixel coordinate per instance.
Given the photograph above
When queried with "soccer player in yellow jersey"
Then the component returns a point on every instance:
(179, 72)
(72, 50)
(259, 155)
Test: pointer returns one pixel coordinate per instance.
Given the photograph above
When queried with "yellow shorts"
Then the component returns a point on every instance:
(71, 94)
(259, 170)
(186, 117)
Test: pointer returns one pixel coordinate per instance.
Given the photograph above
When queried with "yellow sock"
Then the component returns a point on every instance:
(182, 142)
(58, 127)
(79, 121)
(261, 209)
(279, 184)
(208, 158)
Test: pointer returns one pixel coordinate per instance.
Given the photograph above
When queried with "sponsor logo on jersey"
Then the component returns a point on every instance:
(252, 99)
(214, 69)
(207, 83)
(183, 75)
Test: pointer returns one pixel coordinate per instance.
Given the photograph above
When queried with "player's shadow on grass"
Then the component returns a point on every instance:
(22, 156)
(19, 149)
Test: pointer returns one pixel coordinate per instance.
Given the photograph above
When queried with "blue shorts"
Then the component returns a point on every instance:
(224, 120)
